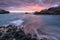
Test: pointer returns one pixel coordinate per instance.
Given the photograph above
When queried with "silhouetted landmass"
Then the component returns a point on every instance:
(50, 11)
(3, 11)
(26, 13)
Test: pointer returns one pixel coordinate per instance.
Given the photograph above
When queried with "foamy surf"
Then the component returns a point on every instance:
(17, 22)
(47, 37)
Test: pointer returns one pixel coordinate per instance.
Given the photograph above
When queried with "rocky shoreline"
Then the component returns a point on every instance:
(12, 32)
(49, 11)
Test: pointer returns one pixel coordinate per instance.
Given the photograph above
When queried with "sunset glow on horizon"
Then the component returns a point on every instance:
(35, 7)
(20, 11)
(27, 5)
(32, 8)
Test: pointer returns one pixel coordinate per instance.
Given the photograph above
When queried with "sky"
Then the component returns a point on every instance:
(27, 5)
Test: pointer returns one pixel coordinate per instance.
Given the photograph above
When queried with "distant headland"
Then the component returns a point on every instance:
(49, 11)
(4, 11)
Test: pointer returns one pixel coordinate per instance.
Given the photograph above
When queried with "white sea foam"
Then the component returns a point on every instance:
(49, 37)
(17, 22)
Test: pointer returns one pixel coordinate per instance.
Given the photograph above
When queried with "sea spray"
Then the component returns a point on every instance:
(17, 22)
(31, 24)
(43, 36)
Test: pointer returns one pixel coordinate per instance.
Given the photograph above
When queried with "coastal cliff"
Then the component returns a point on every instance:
(49, 11)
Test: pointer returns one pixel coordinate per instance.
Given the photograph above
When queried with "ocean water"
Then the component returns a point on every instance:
(5, 19)
(51, 23)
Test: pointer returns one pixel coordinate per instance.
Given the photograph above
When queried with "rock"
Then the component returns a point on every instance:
(0, 33)
(10, 33)
(44, 39)
(26, 13)
(4, 12)
(49, 11)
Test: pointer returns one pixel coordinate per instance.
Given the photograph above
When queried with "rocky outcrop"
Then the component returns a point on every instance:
(50, 11)
(26, 13)
(11, 32)
(3, 12)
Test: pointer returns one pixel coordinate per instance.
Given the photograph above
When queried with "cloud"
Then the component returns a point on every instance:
(51, 2)
(15, 4)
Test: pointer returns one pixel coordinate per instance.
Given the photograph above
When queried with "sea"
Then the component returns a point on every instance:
(51, 23)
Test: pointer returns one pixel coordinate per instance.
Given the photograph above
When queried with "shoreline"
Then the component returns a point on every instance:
(11, 31)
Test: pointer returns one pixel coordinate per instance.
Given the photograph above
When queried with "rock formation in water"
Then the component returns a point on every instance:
(3, 11)
(26, 13)
(50, 11)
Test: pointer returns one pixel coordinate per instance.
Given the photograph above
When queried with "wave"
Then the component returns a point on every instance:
(47, 37)
(17, 22)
